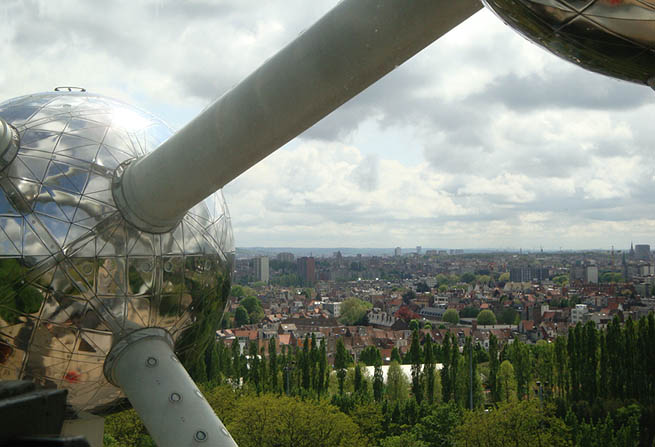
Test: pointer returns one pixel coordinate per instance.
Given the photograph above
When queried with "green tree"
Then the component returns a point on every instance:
(486, 318)
(236, 360)
(254, 308)
(512, 424)
(272, 364)
(494, 365)
(397, 383)
(125, 429)
(321, 383)
(451, 316)
(269, 421)
(395, 355)
(241, 316)
(446, 384)
(353, 311)
(403, 440)
(520, 356)
(508, 316)
(506, 387)
(370, 355)
(213, 363)
(468, 381)
(378, 381)
(468, 277)
(415, 359)
(429, 369)
(340, 360)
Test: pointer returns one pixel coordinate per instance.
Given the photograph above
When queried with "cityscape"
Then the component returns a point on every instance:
(561, 342)
(414, 189)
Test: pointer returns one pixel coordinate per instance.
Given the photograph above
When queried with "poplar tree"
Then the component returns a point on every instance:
(305, 364)
(213, 365)
(415, 358)
(253, 363)
(322, 369)
(357, 382)
(494, 365)
(591, 362)
(445, 370)
(378, 381)
(454, 363)
(428, 368)
(561, 367)
(236, 361)
(272, 365)
(340, 359)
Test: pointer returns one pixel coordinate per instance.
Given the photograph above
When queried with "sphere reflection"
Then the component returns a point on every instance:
(611, 37)
(74, 275)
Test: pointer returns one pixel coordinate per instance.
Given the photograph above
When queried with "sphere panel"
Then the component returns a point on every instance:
(611, 37)
(74, 275)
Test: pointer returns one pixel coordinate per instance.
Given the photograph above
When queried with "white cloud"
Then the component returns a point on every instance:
(481, 140)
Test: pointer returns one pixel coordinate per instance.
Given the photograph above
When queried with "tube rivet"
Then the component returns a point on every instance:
(200, 436)
(151, 362)
(175, 397)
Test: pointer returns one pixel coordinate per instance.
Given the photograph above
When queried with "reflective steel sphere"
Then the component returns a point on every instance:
(74, 275)
(611, 37)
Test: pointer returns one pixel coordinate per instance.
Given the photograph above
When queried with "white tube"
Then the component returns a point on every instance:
(172, 408)
(351, 47)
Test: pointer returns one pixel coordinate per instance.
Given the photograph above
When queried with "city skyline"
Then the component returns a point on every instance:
(482, 140)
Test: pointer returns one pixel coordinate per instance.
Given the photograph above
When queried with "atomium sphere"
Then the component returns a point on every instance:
(74, 276)
(611, 37)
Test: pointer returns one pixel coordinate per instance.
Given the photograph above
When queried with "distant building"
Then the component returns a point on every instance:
(285, 257)
(307, 270)
(333, 307)
(398, 251)
(642, 252)
(591, 273)
(261, 269)
(587, 272)
(528, 273)
(418, 249)
(578, 313)
(433, 313)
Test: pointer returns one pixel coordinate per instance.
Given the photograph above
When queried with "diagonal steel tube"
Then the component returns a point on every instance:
(350, 48)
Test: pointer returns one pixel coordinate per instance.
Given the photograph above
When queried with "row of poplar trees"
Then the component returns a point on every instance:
(294, 371)
(587, 365)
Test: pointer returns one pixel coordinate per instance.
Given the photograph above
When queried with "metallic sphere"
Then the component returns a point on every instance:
(611, 37)
(75, 277)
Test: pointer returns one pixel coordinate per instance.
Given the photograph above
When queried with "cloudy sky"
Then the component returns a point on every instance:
(481, 140)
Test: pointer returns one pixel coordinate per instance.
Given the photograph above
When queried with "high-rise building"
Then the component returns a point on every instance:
(418, 249)
(307, 270)
(642, 252)
(285, 257)
(398, 251)
(261, 269)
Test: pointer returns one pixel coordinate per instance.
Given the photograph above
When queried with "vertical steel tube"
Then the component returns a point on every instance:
(351, 47)
(172, 408)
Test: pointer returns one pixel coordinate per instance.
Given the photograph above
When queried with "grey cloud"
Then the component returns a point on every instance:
(571, 89)
(366, 174)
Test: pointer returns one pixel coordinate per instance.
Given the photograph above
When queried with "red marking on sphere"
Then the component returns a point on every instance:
(72, 377)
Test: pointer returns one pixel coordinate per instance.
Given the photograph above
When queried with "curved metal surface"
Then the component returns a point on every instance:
(612, 37)
(74, 276)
